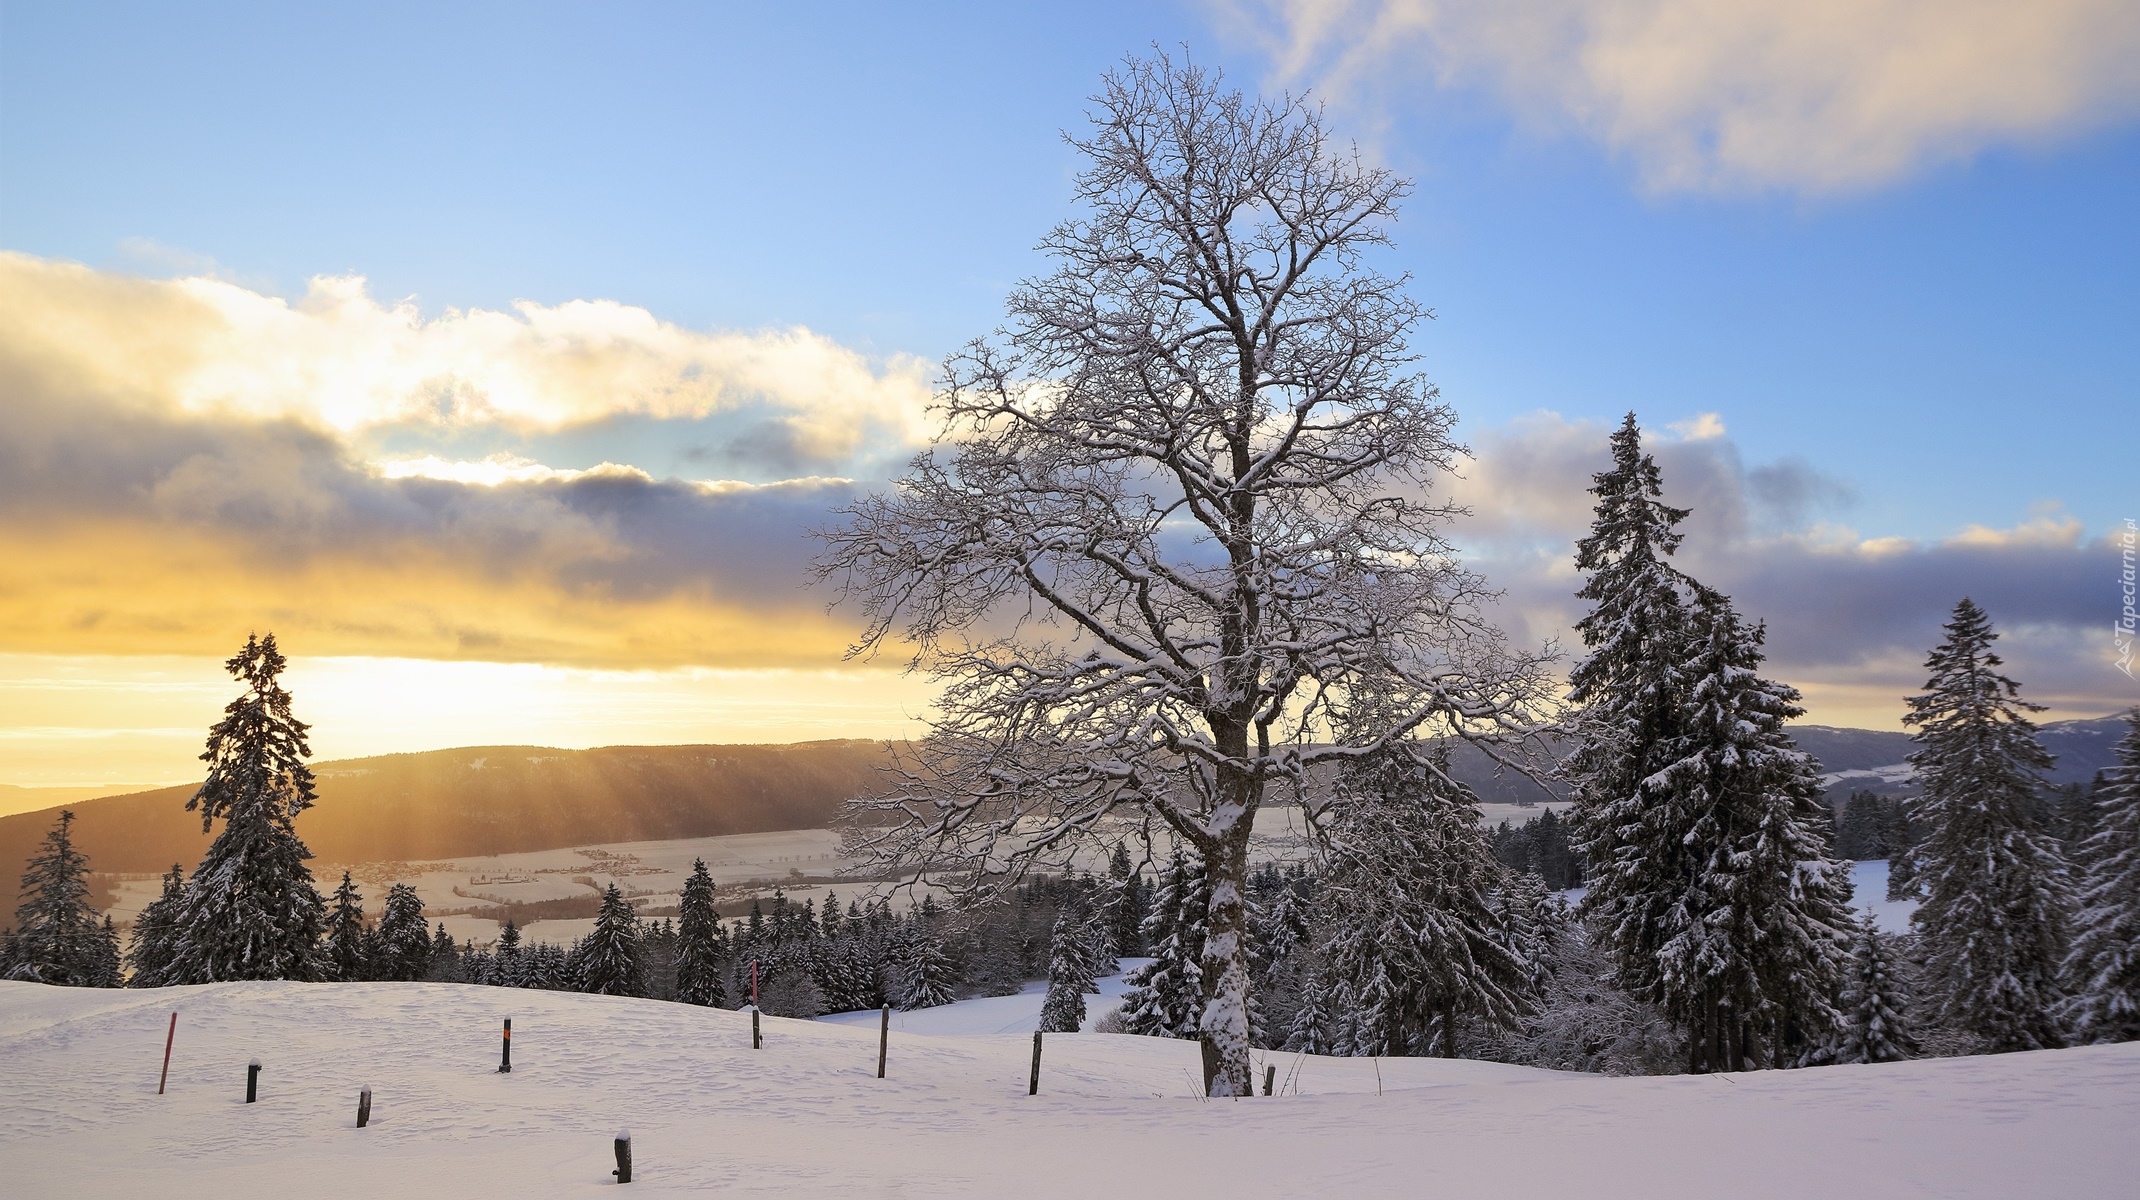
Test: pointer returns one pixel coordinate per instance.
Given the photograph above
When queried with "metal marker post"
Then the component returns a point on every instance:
(505, 1064)
(884, 1038)
(167, 1054)
(756, 1042)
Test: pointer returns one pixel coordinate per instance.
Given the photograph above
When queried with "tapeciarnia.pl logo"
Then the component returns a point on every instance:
(2122, 629)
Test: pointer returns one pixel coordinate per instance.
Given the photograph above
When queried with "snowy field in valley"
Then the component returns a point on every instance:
(79, 1113)
(993, 1014)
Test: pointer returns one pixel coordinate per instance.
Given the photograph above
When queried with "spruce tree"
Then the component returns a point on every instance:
(509, 965)
(699, 964)
(446, 965)
(1165, 997)
(1996, 892)
(609, 960)
(1630, 696)
(155, 937)
(926, 972)
(1756, 938)
(347, 938)
(1069, 973)
(57, 936)
(1414, 933)
(251, 911)
(402, 939)
(2103, 969)
(1874, 1027)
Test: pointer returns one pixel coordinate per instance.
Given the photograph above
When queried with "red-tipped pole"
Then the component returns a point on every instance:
(754, 983)
(160, 1079)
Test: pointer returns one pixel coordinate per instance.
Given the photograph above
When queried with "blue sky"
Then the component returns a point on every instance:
(1906, 325)
(1947, 345)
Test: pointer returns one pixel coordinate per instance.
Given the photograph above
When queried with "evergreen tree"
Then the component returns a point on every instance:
(107, 957)
(1127, 903)
(402, 940)
(251, 911)
(1069, 972)
(1861, 835)
(57, 937)
(1165, 997)
(156, 932)
(699, 954)
(1874, 1027)
(1996, 892)
(446, 965)
(609, 960)
(926, 973)
(1631, 695)
(509, 965)
(347, 938)
(1756, 936)
(1414, 933)
(2103, 969)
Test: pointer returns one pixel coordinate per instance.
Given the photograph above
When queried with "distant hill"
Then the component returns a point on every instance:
(502, 799)
(490, 800)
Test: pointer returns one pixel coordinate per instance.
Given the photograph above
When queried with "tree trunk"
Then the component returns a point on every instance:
(1225, 1020)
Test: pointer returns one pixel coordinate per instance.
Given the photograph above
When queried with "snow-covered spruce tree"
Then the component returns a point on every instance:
(1631, 696)
(1165, 997)
(1996, 892)
(609, 959)
(1875, 1027)
(1069, 972)
(149, 950)
(2103, 970)
(251, 910)
(106, 961)
(56, 931)
(347, 938)
(401, 942)
(1184, 492)
(700, 951)
(1127, 903)
(1413, 932)
(509, 965)
(1756, 937)
(926, 973)
(445, 965)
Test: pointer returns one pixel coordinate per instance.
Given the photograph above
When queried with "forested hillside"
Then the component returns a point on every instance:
(493, 800)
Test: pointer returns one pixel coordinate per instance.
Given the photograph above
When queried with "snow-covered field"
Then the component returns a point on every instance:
(994, 1014)
(805, 1116)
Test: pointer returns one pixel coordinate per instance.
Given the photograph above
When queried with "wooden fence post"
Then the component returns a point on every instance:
(624, 1156)
(1032, 1087)
(160, 1079)
(757, 1040)
(252, 1081)
(1270, 1077)
(884, 1039)
(364, 1106)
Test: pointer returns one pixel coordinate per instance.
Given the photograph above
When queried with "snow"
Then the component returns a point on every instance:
(1868, 887)
(79, 1113)
(992, 1014)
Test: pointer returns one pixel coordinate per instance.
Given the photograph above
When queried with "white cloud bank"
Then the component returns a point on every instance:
(1804, 95)
(341, 361)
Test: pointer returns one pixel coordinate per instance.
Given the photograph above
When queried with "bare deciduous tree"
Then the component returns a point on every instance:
(1177, 523)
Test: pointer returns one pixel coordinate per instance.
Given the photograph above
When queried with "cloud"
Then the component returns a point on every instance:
(1804, 95)
(172, 476)
(1850, 618)
(340, 361)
